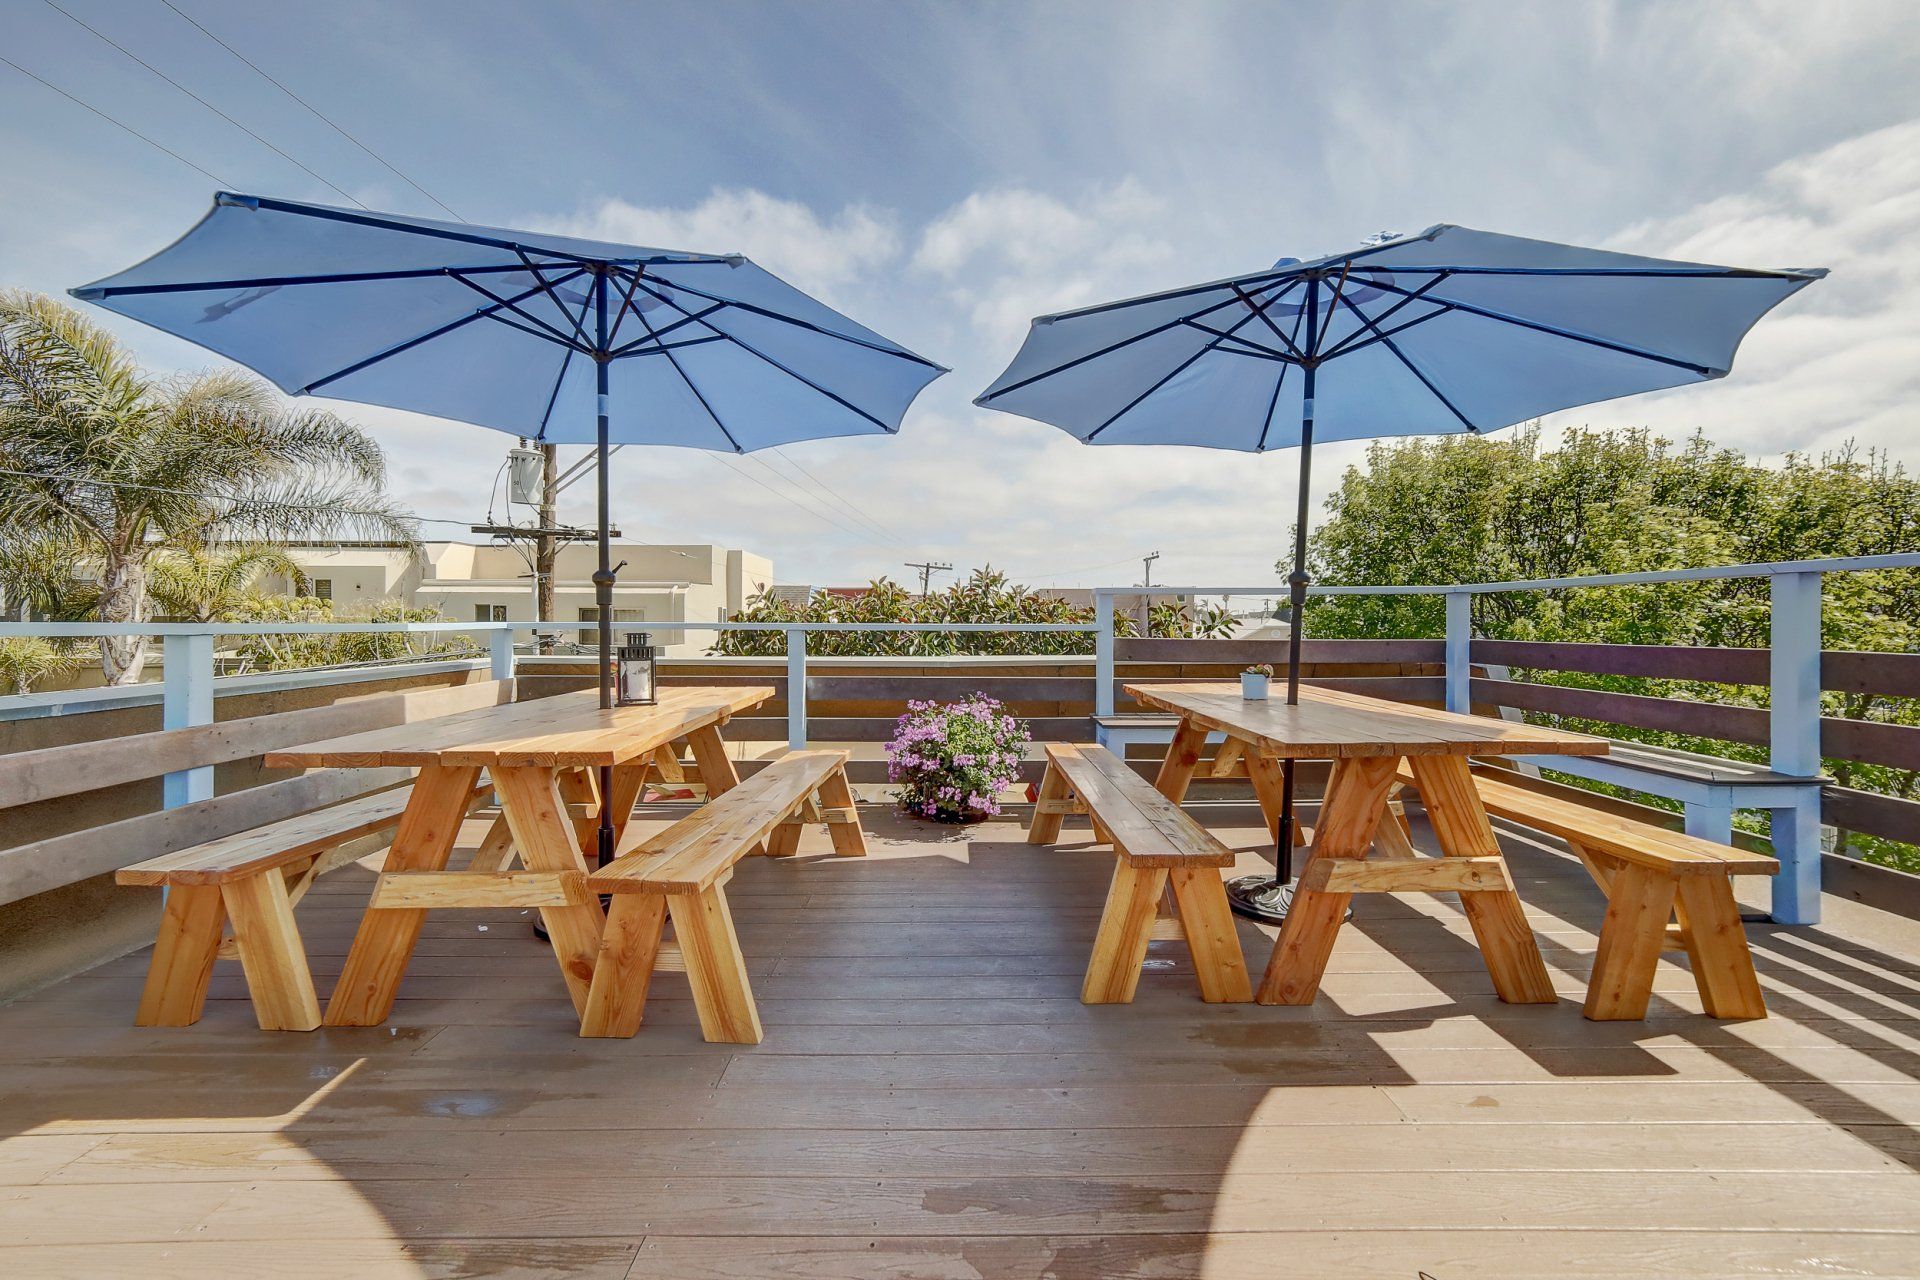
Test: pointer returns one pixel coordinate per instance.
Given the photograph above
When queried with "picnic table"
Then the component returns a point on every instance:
(1367, 739)
(545, 759)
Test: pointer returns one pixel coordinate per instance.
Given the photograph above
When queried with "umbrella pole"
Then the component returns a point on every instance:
(603, 576)
(1257, 896)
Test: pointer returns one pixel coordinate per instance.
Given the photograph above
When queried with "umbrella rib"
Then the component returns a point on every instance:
(1253, 348)
(1412, 368)
(1260, 445)
(482, 314)
(1679, 273)
(1127, 342)
(750, 349)
(1261, 309)
(645, 324)
(797, 322)
(1347, 343)
(96, 293)
(1171, 375)
(538, 272)
(547, 330)
(654, 335)
(1554, 331)
(625, 307)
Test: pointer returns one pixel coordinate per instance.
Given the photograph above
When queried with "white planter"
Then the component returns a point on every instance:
(1253, 686)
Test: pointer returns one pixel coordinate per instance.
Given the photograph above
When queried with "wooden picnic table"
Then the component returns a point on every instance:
(1367, 739)
(542, 757)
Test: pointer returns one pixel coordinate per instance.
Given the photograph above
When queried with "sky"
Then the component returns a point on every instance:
(942, 172)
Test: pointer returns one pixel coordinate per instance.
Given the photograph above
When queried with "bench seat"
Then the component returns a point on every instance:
(1158, 848)
(683, 872)
(1665, 891)
(244, 878)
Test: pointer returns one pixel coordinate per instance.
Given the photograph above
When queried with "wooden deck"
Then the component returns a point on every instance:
(932, 1100)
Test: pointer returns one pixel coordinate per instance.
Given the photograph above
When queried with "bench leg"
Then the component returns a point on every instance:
(1206, 919)
(785, 840)
(1126, 927)
(1499, 924)
(1716, 944)
(618, 995)
(1631, 940)
(843, 820)
(183, 955)
(363, 997)
(278, 979)
(703, 926)
(1045, 828)
(1183, 755)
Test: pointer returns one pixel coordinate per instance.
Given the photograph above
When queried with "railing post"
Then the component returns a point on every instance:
(186, 700)
(1794, 741)
(1103, 653)
(796, 689)
(500, 650)
(1459, 653)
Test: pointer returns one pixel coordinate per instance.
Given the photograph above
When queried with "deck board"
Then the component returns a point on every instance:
(932, 1100)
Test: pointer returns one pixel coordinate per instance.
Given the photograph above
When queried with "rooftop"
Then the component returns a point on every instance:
(932, 1099)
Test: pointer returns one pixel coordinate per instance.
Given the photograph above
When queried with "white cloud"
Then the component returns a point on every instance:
(1841, 360)
(814, 252)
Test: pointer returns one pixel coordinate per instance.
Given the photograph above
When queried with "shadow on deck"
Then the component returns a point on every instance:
(932, 1100)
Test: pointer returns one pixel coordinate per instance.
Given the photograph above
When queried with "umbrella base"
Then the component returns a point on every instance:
(1262, 898)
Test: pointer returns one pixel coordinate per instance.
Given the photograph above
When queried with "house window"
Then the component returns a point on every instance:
(489, 613)
(323, 589)
(591, 635)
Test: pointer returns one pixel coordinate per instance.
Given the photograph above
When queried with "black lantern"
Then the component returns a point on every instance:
(634, 677)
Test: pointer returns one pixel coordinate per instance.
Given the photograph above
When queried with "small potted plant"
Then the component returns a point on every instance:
(1253, 682)
(953, 762)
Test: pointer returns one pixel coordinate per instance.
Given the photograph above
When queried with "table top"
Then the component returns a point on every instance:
(1328, 724)
(567, 731)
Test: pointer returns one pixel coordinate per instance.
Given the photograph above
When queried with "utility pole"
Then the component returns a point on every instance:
(1146, 567)
(927, 570)
(546, 547)
(1146, 597)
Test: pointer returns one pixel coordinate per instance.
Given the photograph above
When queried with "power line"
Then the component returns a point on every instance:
(833, 493)
(102, 36)
(316, 112)
(811, 503)
(119, 124)
(727, 462)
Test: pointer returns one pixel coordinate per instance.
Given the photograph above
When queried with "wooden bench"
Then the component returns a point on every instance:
(1157, 848)
(248, 853)
(1665, 891)
(254, 879)
(683, 872)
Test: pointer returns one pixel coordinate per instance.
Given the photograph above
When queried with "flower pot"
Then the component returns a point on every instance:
(1253, 686)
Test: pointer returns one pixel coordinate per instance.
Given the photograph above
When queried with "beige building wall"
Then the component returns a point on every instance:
(691, 582)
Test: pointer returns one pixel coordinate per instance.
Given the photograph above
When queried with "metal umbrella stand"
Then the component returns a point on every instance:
(1452, 330)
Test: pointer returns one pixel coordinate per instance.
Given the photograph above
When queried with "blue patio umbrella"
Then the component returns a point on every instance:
(1450, 330)
(554, 338)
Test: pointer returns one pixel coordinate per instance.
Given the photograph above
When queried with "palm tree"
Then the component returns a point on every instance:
(208, 584)
(27, 660)
(122, 469)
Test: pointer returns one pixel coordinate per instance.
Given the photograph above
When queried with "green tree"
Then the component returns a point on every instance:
(1502, 508)
(118, 468)
(27, 660)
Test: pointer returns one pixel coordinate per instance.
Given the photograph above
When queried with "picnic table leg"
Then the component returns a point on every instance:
(629, 780)
(1349, 814)
(617, 997)
(1500, 926)
(363, 997)
(531, 797)
(183, 955)
(710, 755)
(1183, 756)
(1269, 785)
(580, 790)
(496, 849)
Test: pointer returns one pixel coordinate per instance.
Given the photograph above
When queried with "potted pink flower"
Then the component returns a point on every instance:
(953, 762)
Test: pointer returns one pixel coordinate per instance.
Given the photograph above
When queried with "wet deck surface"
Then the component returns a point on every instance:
(932, 1100)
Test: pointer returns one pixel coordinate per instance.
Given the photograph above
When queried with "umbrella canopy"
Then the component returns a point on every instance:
(1451, 330)
(500, 328)
(549, 337)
